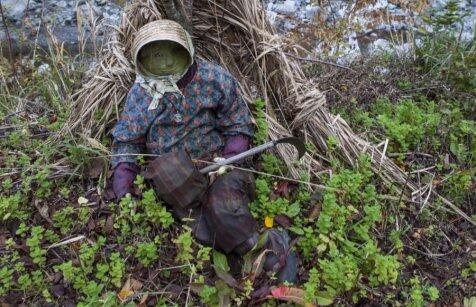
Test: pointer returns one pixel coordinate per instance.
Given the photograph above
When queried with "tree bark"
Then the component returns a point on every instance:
(181, 12)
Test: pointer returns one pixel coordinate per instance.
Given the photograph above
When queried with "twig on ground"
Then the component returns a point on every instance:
(314, 60)
(65, 242)
(455, 209)
(189, 288)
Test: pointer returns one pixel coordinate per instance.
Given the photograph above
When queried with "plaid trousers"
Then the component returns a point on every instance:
(218, 213)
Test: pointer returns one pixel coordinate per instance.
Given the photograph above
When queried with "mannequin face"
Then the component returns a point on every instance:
(164, 58)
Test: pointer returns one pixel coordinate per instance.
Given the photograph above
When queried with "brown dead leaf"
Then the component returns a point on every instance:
(52, 118)
(109, 226)
(130, 287)
(57, 290)
(43, 210)
(95, 167)
(108, 193)
(447, 162)
(418, 233)
(91, 225)
(315, 212)
(316, 204)
(258, 264)
(143, 300)
(283, 221)
(283, 189)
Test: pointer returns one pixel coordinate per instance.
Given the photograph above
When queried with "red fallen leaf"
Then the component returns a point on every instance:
(290, 294)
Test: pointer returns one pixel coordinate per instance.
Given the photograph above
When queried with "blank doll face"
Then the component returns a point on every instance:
(164, 58)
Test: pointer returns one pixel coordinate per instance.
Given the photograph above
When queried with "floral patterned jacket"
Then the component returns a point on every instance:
(210, 111)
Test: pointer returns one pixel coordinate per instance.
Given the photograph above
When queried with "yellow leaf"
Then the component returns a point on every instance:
(124, 294)
(129, 288)
(269, 221)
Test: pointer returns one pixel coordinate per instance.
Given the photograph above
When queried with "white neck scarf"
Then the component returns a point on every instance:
(157, 87)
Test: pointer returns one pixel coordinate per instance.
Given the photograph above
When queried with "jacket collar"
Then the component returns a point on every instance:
(188, 77)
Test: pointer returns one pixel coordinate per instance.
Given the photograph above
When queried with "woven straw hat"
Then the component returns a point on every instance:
(162, 30)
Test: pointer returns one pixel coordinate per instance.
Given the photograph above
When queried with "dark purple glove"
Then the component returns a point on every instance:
(123, 179)
(235, 145)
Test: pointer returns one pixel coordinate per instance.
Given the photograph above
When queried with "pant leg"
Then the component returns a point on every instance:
(226, 210)
(195, 219)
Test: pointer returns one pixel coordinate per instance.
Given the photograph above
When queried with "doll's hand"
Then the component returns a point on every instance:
(123, 179)
(222, 170)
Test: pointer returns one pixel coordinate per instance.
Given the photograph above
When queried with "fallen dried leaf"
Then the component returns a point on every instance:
(290, 294)
(91, 225)
(43, 210)
(295, 295)
(258, 265)
(109, 226)
(95, 167)
(143, 300)
(315, 212)
(83, 201)
(124, 294)
(283, 190)
(283, 221)
(52, 118)
(57, 290)
(129, 288)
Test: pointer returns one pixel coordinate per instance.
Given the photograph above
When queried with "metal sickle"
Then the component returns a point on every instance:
(297, 143)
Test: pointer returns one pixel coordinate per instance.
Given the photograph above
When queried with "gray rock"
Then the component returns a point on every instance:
(288, 25)
(61, 4)
(272, 17)
(14, 10)
(310, 11)
(44, 69)
(286, 8)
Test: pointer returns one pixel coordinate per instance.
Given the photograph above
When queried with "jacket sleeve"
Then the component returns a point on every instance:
(129, 133)
(233, 116)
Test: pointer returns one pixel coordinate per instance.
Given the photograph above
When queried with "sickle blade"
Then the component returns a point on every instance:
(297, 143)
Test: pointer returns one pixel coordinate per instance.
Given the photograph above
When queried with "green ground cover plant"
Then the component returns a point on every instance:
(62, 241)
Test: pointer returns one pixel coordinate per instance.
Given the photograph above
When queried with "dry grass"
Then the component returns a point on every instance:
(238, 36)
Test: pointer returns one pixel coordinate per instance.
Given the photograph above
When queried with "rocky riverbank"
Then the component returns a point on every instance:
(342, 30)
(346, 30)
(80, 25)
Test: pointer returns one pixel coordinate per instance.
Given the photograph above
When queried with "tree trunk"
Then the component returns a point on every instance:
(181, 12)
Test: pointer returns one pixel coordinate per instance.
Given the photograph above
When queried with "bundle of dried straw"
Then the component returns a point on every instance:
(237, 35)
